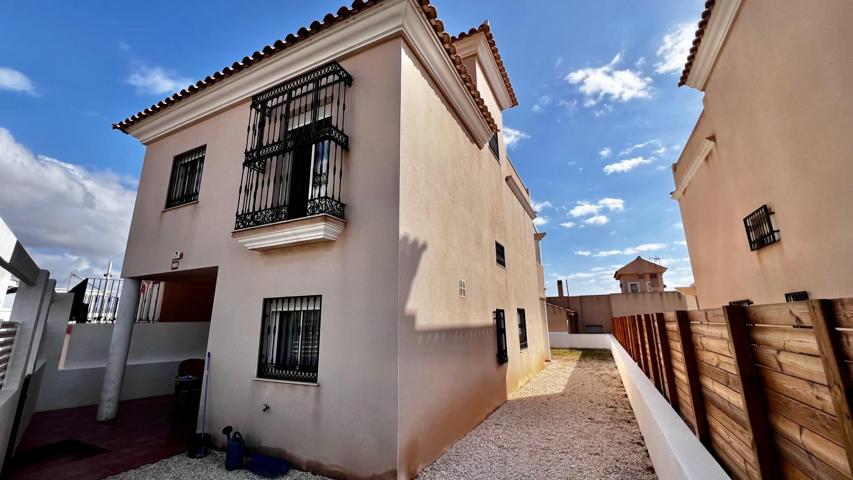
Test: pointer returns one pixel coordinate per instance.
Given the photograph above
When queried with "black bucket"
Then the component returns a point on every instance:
(198, 444)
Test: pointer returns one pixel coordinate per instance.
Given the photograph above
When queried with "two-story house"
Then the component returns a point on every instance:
(347, 193)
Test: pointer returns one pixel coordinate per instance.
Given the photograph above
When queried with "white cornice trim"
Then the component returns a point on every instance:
(394, 17)
(477, 45)
(420, 37)
(309, 230)
(695, 163)
(722, 17)
(519, 194)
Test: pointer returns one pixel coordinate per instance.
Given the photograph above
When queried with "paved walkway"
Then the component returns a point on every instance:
(572, 420)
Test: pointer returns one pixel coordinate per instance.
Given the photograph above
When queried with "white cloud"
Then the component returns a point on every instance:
(653, 142)
(605, 152)
(596, 220)
(513, 136)
(660, 168)
(15, 81)
(584, 208)
(541, 205)
(645, 247)
(607, 82)
(539, 221)
(626, 165)
(543, 102)
(71, 218)
(156, 80)
(640, 62)
(567, 224)
(678, 225)
(124, 46)
(680, 242)
(583, 253)
(674, 48)
(558, 62)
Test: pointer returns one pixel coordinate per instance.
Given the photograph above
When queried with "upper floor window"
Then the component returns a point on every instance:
(500, 255)
(293, 165)
(741, 303)
(494, 146)
(185, 181)
(290, 339)
(633, 287)
(759, 228)
(522, 329)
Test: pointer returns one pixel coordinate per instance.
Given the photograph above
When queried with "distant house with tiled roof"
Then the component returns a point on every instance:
(640, 275)
(344, 198)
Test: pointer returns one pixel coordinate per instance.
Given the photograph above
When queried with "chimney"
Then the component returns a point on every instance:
(560, 288)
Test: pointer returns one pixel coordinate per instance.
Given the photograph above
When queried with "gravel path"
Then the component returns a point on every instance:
(572, 420)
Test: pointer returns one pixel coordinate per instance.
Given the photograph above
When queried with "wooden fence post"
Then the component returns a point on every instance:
(831, 355)
(654, 368)
(692, 372)
(666, 359)
(751, 394)
(645, 364)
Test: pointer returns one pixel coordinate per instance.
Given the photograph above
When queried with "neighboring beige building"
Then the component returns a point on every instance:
(378, 292)
(640, 276)
(764, 181)
(642, 288)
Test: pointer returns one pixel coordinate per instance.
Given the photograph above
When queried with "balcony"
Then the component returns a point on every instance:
(290, 190)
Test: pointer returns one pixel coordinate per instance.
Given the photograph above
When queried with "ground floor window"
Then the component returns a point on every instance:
(522, 329)
(290, 339)
(500, 329)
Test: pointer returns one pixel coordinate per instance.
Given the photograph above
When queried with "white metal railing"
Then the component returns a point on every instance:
(7, 339)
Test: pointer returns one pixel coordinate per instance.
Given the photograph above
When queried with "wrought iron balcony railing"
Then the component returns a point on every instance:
(295, 141)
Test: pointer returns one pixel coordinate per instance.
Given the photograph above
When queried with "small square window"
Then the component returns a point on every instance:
(500, 255)
(522, 329)
(494, 146)
(796, 296)
(633, 287)
(462, 290)
(759, 228)
(185, 181)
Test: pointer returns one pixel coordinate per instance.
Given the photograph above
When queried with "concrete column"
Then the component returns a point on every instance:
(119, 349)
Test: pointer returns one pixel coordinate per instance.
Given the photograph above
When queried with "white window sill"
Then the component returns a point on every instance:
(288, 382)
(181, 205)
(317, 228)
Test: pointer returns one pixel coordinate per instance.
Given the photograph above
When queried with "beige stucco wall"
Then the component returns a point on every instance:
(778, 103)
(348, 422)
(600, 309)
(454, 205)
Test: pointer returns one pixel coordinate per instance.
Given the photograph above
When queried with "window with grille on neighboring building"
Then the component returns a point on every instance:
(522, 329)
(633, 287)
(796, 296)
(494, 146)
(500, 255)
(185, 181)
(759, 228)
(741, 303)
(500, 331)
(290, 339)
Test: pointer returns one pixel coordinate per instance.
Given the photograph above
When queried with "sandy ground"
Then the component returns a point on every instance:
(571, 421)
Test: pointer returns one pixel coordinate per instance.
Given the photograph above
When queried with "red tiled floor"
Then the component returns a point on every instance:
(144, 432)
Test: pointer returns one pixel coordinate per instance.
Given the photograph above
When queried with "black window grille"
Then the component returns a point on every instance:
(500, 254)
(295, 141)
(290, 339)
(796, 296)
(500, 330)
(759, 228)
(522, 329)
(185, 182)
(494, 146)
(741, 303)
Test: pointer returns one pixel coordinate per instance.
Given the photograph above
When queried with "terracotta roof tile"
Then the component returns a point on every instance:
(486, 30)
(703, 22)
(305, 33)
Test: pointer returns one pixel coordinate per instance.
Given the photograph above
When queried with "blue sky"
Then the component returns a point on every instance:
(599, 123)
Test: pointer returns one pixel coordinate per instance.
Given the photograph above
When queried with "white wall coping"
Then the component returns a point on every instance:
(675, 451)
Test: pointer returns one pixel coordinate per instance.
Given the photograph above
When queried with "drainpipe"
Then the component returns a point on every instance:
(119, 349)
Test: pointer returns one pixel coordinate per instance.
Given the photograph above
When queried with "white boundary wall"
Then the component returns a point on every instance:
(675, 451)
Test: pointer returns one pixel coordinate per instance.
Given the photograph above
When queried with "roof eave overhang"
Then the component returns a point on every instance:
(386, 20)
(477, 44)
(711, 43)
